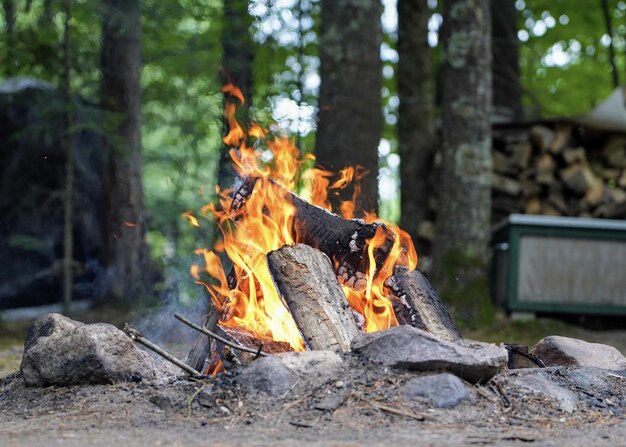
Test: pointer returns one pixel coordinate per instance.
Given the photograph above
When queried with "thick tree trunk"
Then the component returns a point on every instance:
(463, 221)
(123, 215)
(507, 89)
(307, 283)
(237, 61)
(416, 126)
(350, 110)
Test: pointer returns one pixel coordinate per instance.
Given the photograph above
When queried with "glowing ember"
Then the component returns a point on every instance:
(246, 297)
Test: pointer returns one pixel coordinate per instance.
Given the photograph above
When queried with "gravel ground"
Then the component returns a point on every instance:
(372, 411)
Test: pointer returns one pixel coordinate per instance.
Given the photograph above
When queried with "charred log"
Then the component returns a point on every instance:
(415, 303)
(201, 348)
(305, 278)
(200, 354)
(342, 240)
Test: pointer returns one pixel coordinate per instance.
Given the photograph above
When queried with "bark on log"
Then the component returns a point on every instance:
(418, 305)
(305, 278)
(340, 239)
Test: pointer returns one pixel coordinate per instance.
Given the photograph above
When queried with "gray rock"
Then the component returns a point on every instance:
(269, 375)
(537, 384)
(60, 351)
(443, 390)
(280, 372)
(564, 351)
(411, 348)
(48, 325)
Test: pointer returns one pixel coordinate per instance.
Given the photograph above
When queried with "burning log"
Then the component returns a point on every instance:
(201, 348)
(418, 305)
(342, 240)
(305, 278)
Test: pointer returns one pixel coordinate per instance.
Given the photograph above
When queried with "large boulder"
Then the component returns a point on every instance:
(414, 349)
(61, 351)
(564, 351)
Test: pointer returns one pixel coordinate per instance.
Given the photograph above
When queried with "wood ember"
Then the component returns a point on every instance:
(305, 278)
(244, 338)
(418, 305)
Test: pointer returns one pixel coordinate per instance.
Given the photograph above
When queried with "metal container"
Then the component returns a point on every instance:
(560, 265)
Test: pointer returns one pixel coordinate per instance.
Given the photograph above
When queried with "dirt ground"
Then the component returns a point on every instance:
(371, 411)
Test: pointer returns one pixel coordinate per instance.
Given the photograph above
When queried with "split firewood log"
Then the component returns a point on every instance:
(307, 282)
(418, 305)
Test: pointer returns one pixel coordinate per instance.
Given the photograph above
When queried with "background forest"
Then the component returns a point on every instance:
(354, 82)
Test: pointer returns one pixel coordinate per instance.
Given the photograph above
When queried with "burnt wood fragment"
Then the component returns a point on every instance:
(520, 357)
(306, 280)
(415, 303)
(201, 348)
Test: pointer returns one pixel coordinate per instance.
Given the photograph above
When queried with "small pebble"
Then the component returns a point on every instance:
(339, 384)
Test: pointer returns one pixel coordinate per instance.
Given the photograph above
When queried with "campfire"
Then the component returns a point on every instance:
(302, 276)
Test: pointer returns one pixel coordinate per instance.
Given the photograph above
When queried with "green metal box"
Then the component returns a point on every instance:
(560, 265)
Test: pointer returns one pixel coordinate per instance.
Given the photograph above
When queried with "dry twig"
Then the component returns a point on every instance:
(137, 336)
(217, 337)
(398, 411)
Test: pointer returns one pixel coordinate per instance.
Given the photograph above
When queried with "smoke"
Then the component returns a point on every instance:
(181, 295)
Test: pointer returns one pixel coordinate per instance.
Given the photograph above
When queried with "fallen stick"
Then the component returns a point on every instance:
(398, 411)
(217, 337)
(137, 336)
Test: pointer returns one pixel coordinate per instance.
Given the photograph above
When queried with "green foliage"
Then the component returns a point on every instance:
(564, 63)
(182, 110)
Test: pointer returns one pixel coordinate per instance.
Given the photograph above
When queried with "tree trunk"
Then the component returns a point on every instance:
(463, 221)
(606, 13)
(237, 61)
(8, 7)
(123, 215)
(507, 90)
(416, 126)
(68, 235)
(350, 109)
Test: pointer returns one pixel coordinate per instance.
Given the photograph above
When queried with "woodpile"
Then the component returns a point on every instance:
(559, 170)
(554, 169)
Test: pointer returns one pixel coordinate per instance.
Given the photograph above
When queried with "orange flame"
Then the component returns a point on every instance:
(265, 223)
(192, 219)
(234, 91)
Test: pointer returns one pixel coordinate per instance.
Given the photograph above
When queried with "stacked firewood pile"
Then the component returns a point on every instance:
(559, 170)
(553, 169)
